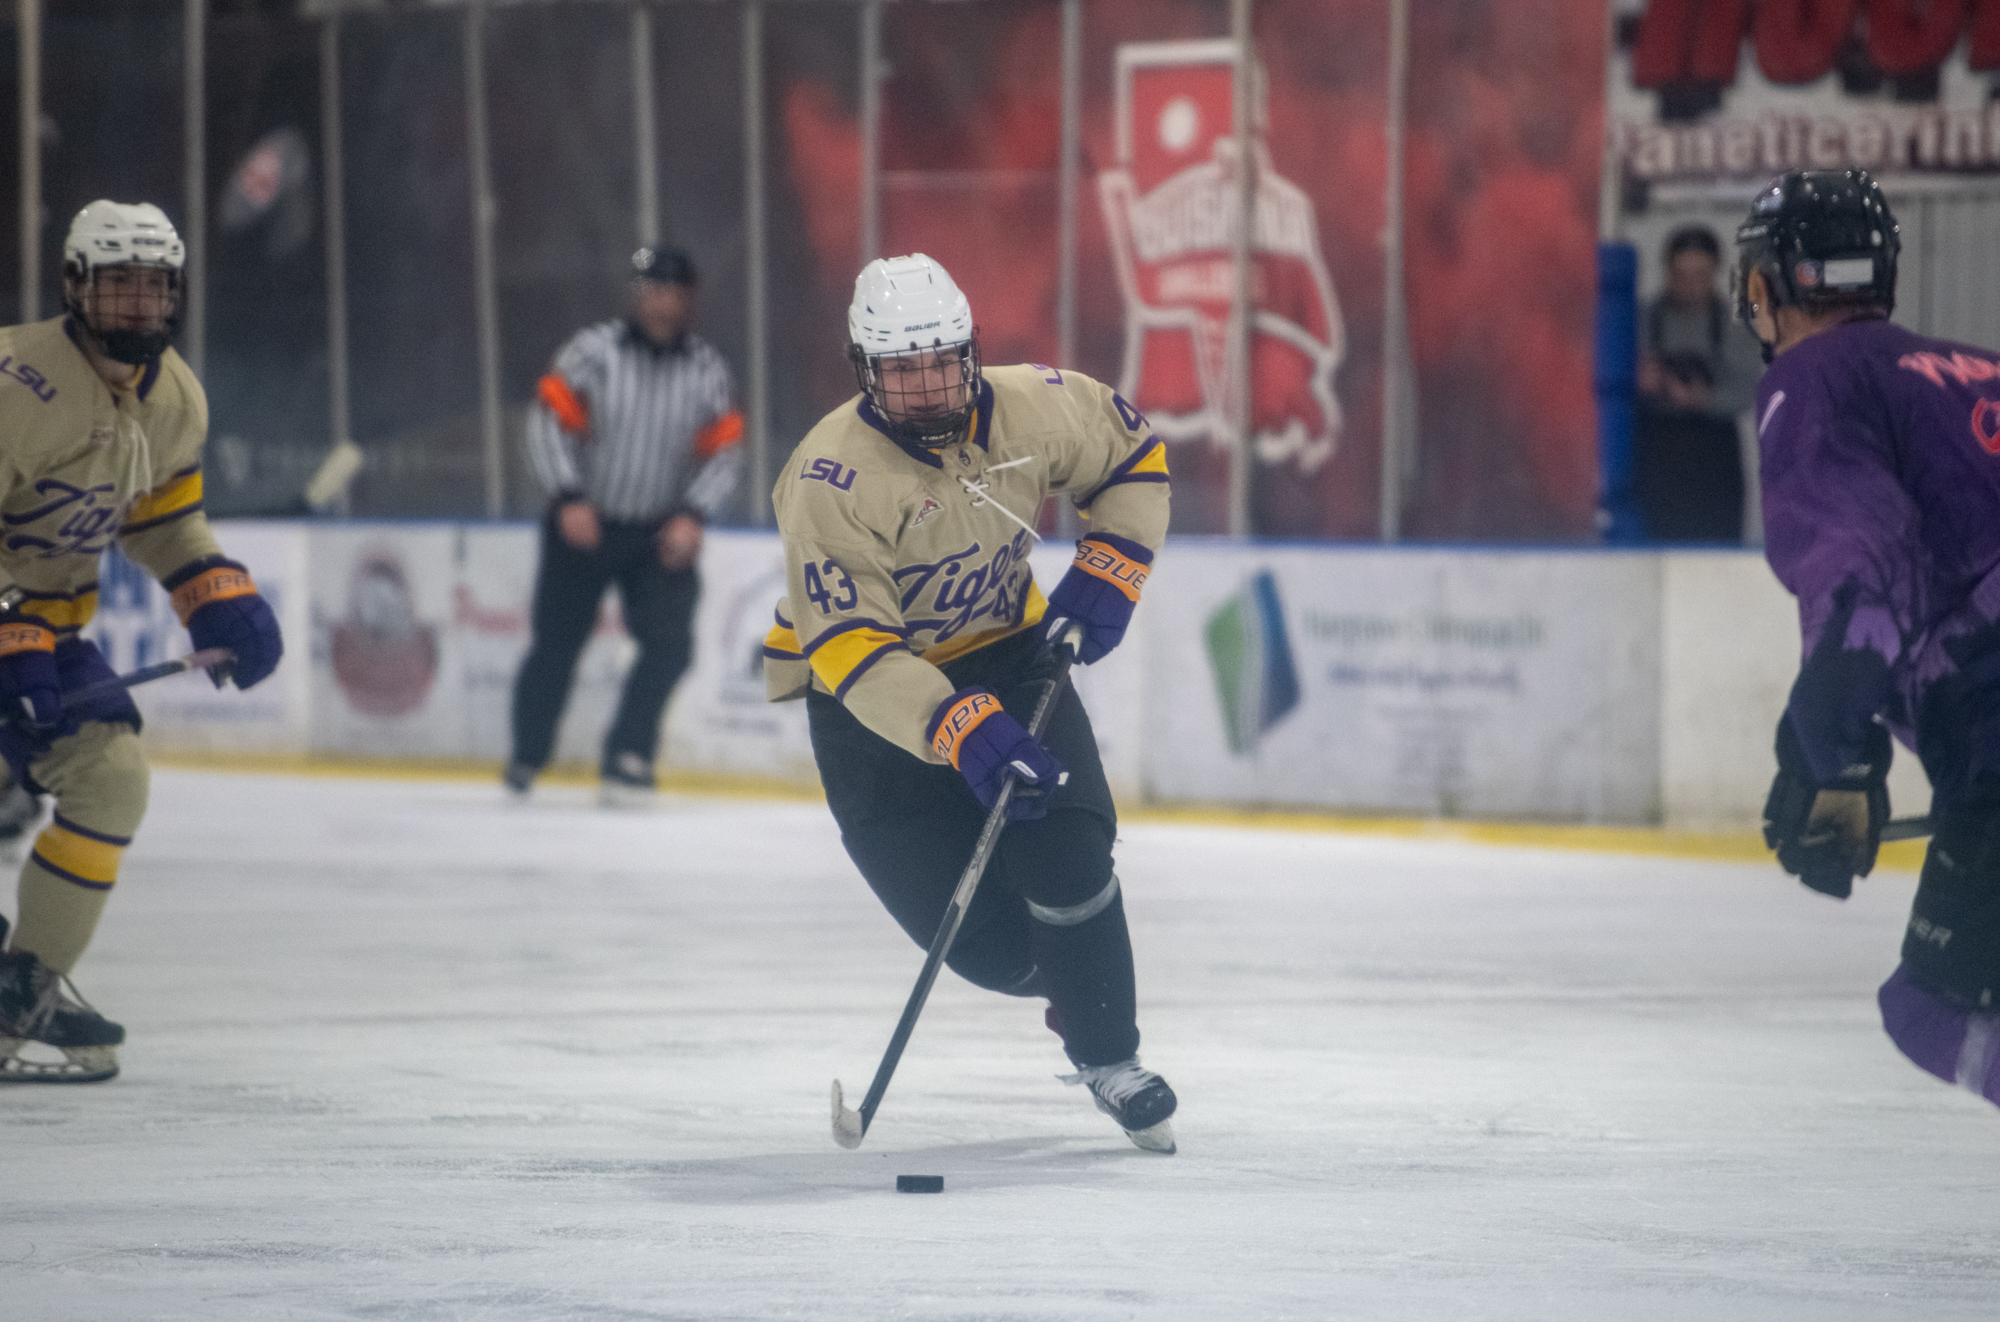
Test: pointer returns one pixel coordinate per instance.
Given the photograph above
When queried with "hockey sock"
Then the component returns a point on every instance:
(64, 885)
(1957, 1045)
(1087, 965)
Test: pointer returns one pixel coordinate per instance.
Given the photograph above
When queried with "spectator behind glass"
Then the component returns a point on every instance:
(1698, 373)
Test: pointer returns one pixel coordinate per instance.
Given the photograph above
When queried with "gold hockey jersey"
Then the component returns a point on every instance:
(82, 464)
(899, 559)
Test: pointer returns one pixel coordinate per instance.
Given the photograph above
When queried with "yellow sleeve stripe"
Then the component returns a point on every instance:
(1154, 460)
(782, 643)
(841, 658)
(65, 612)
(178, 496)
(1147, 464)
(79, 858)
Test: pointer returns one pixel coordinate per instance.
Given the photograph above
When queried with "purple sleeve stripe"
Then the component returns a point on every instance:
(122, 841)
(1123, 473)
(1125, 546)
(780, 654)
(864, 665)
(69, 876)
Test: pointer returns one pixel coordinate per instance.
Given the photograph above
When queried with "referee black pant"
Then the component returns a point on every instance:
(1048, 918)
(658, 605)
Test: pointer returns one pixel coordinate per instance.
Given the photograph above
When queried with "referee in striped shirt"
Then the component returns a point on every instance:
(635, 434)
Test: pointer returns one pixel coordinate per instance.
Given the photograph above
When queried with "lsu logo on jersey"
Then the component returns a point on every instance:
(31, 377)
(835, 475)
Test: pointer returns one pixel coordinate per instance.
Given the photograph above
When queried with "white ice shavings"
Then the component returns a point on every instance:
(977, 490)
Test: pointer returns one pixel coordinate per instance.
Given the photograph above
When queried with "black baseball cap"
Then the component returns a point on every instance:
(668, 266)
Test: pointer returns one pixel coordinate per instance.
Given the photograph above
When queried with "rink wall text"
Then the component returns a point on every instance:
(1621, 687)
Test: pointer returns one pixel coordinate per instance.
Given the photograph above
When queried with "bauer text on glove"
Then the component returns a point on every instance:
(1099, 592)
(220, 607)
(29, 688)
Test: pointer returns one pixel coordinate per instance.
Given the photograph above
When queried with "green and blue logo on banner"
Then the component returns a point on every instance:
(1251, 657)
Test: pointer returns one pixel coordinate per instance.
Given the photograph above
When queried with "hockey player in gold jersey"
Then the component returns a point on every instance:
(914, 630)
(101, 428)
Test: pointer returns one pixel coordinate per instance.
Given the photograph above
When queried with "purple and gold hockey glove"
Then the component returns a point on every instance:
(29, 688)
(1827, 835)
(220, 607)
(1099, 592)
(975, 734)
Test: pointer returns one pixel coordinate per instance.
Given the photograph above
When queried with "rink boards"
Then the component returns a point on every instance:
(1567, 685)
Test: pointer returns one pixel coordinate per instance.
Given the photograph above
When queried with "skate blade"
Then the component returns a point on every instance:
(78, 1065)
(848, 1129)
(627, 798)
(1155, 1138)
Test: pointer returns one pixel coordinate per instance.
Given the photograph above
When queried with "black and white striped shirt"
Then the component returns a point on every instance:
(638, 429)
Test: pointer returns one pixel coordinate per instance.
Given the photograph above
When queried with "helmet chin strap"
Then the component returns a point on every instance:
(133, 348)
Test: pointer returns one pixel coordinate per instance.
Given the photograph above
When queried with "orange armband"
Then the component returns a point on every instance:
(570, 411)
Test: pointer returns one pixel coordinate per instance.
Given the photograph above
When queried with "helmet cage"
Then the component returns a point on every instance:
(84, 295)
(937, 412)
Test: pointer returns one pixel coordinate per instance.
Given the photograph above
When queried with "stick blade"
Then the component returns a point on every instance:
(848, 1127)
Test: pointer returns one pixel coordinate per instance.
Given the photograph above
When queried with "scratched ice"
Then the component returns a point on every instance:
(404, 1051)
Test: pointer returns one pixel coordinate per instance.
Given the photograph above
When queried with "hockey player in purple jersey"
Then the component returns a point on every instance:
(1881, 484)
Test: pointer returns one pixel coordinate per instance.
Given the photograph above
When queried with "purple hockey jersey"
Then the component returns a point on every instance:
(1881, 485)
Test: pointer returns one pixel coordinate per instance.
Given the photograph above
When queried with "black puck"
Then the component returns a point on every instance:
(920, 1184)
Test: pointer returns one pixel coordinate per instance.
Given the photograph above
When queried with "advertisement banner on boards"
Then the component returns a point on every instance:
(1412, 682)
(135, 626)
(1706, 92)
(718, 719)
(417, 632)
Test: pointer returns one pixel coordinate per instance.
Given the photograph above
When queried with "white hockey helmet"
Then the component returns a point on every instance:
(121, 234)
(912, 306)
(109, 233)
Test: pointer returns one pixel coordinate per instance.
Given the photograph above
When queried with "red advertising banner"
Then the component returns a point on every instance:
(1503, 157)
(1172, 210)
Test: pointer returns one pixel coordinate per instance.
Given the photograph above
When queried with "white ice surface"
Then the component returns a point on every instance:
(404, 1051)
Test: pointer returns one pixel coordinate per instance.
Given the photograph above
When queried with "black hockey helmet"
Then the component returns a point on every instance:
(1824, 239)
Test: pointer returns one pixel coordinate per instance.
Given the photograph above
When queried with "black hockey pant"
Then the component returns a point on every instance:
(1048, 918)
(658, 605)
(1952, 944)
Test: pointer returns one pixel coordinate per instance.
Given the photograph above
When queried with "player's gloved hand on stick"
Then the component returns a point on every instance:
(1099, 592)
(29, 688)
(1827, 835)
(975, 734)
(220, 607)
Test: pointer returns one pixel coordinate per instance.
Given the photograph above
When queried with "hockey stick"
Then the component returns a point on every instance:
(215, 660)
(1906, 828)
(850, 1127)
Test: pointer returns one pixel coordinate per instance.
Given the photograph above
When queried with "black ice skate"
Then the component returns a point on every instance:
(34, 1009)
(1138, 1099)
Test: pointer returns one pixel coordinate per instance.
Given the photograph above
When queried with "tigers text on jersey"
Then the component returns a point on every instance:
(899, 559)
(641, 429)
(82, 464)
